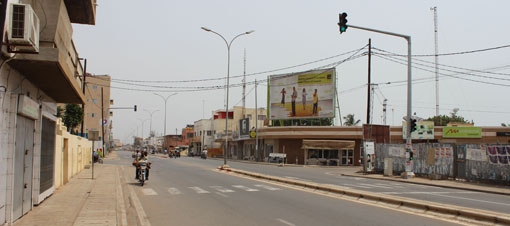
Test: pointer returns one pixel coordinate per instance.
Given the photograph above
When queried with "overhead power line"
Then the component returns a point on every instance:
(455, 53)
(448, 75)
(237, 76)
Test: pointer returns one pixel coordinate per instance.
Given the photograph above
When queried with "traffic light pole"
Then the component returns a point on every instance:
(409, 171)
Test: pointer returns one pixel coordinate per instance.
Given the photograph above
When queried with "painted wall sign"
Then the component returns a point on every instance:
(28, 107)
(462, 132)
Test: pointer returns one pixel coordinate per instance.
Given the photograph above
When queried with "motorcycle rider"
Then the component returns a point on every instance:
(144, 159)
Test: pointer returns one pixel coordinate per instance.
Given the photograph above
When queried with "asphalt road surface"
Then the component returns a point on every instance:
(457, 197)
(189, 191)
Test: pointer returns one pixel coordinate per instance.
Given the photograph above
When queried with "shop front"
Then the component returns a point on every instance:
(329, 152)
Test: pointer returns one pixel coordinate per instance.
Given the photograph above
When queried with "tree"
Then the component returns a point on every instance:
(73, 116)
(504, 125)
(350, 120)
(443, 120)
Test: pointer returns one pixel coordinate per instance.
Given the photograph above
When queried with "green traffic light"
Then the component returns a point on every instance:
(343, 29)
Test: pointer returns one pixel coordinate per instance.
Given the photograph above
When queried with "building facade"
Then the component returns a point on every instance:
(31, 85)
(97, 88)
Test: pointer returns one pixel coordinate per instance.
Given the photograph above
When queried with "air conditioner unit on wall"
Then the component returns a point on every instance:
(23, 33)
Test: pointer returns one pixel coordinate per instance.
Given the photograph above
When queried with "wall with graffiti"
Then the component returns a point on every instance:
(484, 162)
(429, 159)
(488, 163)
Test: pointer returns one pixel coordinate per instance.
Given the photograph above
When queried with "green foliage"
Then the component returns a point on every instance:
(73, 116)
(504, 125)
(443, 120)
(349, 120)
(304, 122)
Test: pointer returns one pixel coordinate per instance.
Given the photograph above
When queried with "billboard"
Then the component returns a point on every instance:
(309, 94)
(244, 127)
(425, 130)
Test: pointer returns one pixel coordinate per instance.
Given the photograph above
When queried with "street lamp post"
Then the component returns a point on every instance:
(165, 99)
(229, 44)
(150, 113)
(142, 121)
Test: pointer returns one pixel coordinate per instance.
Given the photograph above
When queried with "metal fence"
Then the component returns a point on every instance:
(484, 163)
(488, 163)
(429, 159)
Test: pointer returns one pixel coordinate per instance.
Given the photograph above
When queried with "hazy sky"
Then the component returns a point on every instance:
(162, 41)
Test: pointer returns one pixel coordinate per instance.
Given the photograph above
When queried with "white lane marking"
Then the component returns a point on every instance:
(199, 190)
(221, 189)
(377, 186)
(244, 188)
(357, 178)
(285, 222)
(425, 192)
(391, 185)
(221, 194)
(267, 187)
(355, 185)
(149, 191)
(296, 178)
(476, 200)
(174, 191)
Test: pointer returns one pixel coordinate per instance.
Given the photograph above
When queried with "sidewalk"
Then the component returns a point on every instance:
(487, 188)
(83, 201)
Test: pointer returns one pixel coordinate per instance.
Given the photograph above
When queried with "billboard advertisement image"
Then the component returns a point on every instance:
(309, 94)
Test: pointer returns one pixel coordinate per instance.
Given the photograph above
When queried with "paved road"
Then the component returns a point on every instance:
(189, 191)
(458, 197)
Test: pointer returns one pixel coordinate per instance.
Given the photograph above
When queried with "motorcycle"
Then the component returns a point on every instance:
(142, 172)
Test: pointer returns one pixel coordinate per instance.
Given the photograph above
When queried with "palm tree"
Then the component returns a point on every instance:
(350, 121)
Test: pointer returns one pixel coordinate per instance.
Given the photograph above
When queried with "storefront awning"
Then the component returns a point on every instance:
(328, 144)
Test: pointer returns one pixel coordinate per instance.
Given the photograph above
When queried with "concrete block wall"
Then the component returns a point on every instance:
(79, 152)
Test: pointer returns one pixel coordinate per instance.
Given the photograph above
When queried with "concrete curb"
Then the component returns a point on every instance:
(436, 209)
(429, 184)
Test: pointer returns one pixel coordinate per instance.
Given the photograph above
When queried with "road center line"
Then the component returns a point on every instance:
(285, 222)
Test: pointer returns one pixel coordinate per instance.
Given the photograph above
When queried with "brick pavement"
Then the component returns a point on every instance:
(82, 201)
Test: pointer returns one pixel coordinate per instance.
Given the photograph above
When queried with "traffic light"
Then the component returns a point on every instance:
(135, 107)
(414, 127)
(342, 22)
(411, 157)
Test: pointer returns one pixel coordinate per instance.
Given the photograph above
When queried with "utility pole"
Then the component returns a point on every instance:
(256, 124)
(436, 59)
(369, 79)
(384, 111)
(244, 86)
(102, 121)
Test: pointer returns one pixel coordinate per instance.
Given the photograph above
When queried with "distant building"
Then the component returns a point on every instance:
(92, 113)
